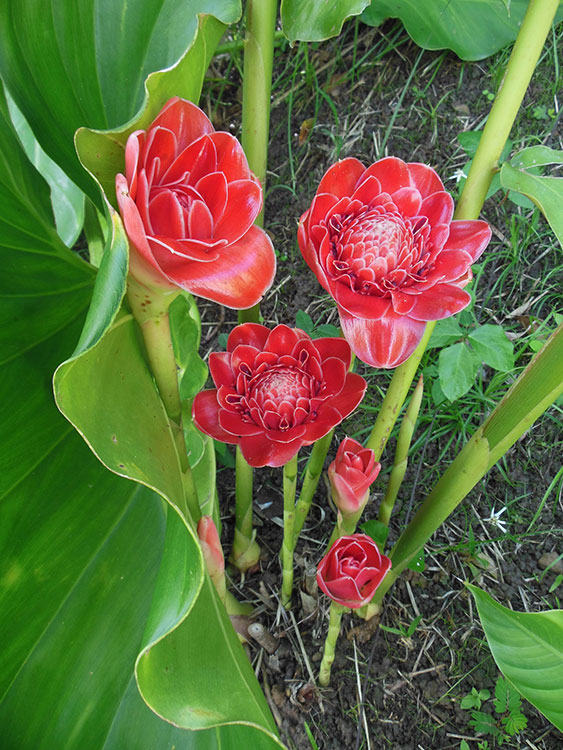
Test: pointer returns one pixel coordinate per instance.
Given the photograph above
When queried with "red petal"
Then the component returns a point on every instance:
(200, 221)
(233, 423)
(239, 276)
(221, 370)
(359, 305)
(213, 190)
(142, 200)
(251, 334)
(438, 207)
(159, 152)
(243, 354)
(334, 376)
(408, 200)
(244, 202)
(450, 265)
(231, 159)
(350, 396)
(367, 191)
(441, 301)
(167, 215)
(334, 347)
(134, 145)
(195, 161)
(185, 120)
(205, 412)
(471, 236)
(173, 255)
(391, 172)
(320, 207)
(327, 418)
(310, 256)
(382, 343)
(341, 178)
(259, 451)
(425, 179)
(282, 340)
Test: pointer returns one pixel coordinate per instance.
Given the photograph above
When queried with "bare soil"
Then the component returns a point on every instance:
(388, 690)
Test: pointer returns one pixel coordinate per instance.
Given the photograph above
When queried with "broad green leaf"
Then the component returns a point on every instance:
(528, 649)
(493, 347)
(473, 29)
(84, 63)
(545, 192)
(312, 21)
(94, 568)
(446, 332)
(536, 156)
(457, 368)
(67, 200)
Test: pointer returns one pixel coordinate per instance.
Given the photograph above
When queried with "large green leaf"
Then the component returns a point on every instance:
(473, 29)
(546, 192)
(95, 570)
(528, 649)
(313, 21)
(84, 63)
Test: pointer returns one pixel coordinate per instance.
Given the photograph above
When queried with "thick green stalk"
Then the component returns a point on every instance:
(336, 612)
(401, 454)
(525, 55)
(289, 486)
(246, 552)
(396, 395)
(534, 391)
(313, 473)
(261, 18)
(345, 525)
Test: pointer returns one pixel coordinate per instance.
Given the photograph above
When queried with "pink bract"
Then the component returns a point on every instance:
(382, 242)
(276, 391)
(350, 474)
(352, 570)
(188, 202)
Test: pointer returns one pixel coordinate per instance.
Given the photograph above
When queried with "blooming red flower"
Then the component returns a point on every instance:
(188, 202)
(382, 242)
(350, 474)
(351, 570)
(276, 391)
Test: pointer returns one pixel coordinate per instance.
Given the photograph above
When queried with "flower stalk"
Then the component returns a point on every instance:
(313, 473)
(401, 454)
(289, 487)
(246, 552)
(336, 612)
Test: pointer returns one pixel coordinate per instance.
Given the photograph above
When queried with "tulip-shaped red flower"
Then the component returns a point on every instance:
(188, 202)
(276, 391)
(382, 242)
(350, 475)
(351, 570)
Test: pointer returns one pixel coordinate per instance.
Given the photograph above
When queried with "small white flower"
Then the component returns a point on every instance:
(494, 519)
(458, 175)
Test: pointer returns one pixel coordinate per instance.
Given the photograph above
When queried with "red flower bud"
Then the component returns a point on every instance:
(212, 553)
(351, 570)
(188, 202)
(350, 474)
(382, 242)
(276, 391)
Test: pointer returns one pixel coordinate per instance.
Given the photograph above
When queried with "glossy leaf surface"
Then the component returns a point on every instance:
(313, 21)
(528, 649)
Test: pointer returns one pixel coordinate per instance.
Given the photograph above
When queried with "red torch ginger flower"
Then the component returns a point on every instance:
(276, 391)
(382, 242)
(350, 474)
(351, 570)
(188, 202)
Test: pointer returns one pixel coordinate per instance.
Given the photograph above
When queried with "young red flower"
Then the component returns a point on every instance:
(351, 570)
(350, 474)
(382, 242)
(276, 391)
(188, 202)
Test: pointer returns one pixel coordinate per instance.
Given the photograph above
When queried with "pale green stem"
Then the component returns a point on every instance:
(150, 309)
(261, 18)
(336, 612)
(310, 482)
(401, 454)
(525, 55)
(246, 552)
(289, 486)
(396, 395)
(345, 525)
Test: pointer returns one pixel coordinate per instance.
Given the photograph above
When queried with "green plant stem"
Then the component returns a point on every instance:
(525, 55)
(246, 552)
(261, 18)
(401, 454)
(336, 612)
(313, 473)
(289, 486)
(150, 309)
(345, 525)
(536, 389)
(396, 395)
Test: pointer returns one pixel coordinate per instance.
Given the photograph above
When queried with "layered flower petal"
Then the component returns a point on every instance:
(276, 391)
(350, 475)
(382, 242)
(188, 202)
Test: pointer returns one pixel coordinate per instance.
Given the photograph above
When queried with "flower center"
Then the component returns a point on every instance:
(377, 250)
(280, 397)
